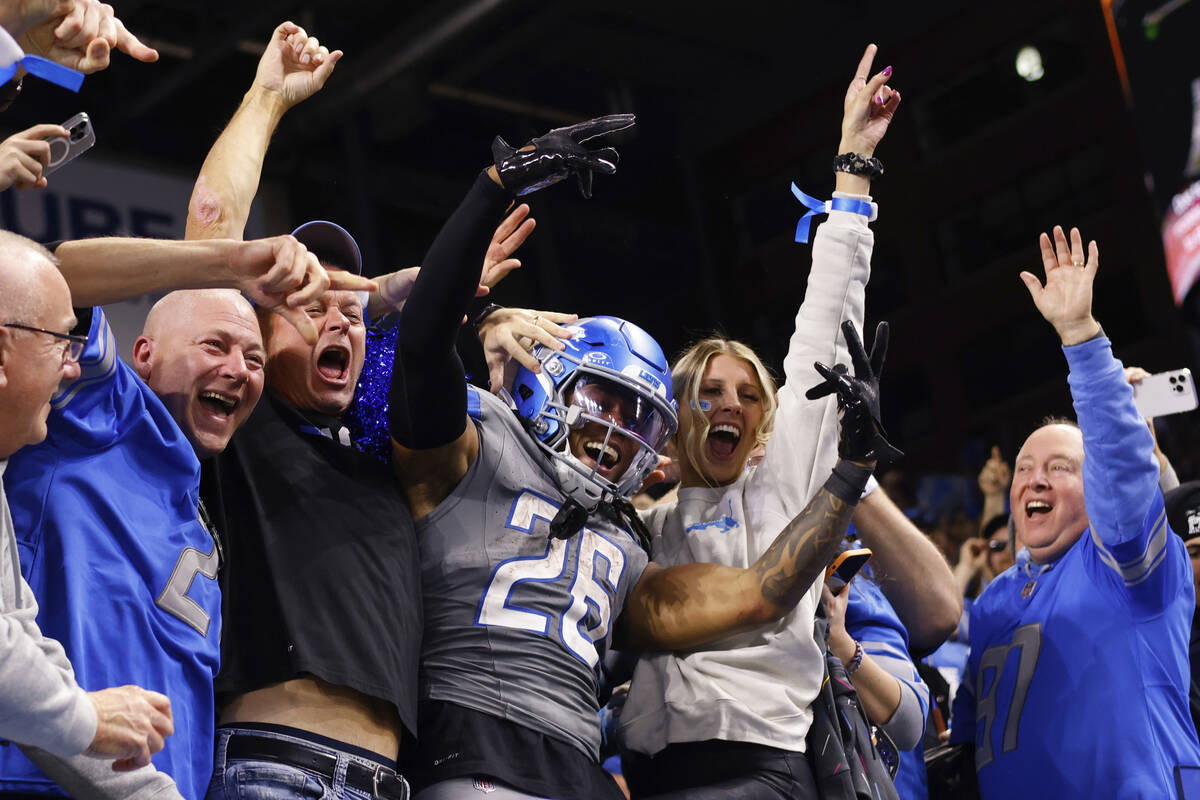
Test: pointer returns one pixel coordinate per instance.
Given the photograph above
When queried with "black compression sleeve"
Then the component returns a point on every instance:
(427, 401)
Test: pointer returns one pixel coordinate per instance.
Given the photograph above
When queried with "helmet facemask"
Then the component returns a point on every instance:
(622, 413)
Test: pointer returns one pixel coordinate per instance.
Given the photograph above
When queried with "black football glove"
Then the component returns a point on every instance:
(862, 436)
(559, 153)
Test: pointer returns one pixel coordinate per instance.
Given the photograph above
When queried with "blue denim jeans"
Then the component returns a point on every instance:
(272, 780)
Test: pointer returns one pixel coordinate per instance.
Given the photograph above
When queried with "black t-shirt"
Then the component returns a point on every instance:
(320, 573)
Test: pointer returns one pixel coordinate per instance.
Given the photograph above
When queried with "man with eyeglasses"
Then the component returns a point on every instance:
(41, 705)
(113, 539)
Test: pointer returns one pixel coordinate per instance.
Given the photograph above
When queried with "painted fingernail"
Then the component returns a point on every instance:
(887, 71)
(879, 99)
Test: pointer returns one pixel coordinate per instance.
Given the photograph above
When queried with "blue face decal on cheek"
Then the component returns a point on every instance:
(703, 405)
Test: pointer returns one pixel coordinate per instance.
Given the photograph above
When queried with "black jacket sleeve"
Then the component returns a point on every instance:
(427, 400)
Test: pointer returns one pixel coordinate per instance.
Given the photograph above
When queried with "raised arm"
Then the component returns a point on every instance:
(293, 67)
(805, 434)
(433, 443)
(913, 575)
(688, 605)
(1120, 473)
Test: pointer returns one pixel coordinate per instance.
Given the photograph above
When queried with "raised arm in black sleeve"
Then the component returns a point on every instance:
(427, 401)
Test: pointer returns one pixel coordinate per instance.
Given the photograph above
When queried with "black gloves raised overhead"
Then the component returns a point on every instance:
(559, 153)
(862, 438)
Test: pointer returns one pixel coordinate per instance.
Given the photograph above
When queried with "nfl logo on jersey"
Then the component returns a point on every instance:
(484, 785)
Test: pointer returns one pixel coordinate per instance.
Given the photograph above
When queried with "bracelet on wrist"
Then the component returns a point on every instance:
(855, 663)
(855, 164)
(483, 314)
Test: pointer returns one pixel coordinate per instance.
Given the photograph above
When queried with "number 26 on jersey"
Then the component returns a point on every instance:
(583, 612)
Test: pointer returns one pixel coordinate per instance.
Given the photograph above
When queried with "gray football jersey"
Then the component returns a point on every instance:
(516, 621)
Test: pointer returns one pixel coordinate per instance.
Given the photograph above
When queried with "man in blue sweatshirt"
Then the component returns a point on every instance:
(1077, 682)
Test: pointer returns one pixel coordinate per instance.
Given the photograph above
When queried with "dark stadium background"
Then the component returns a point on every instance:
(734, 100)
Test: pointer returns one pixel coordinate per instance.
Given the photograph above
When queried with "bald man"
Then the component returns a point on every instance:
(114, 540)
(41, 705)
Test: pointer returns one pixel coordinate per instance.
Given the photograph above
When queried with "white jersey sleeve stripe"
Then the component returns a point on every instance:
(92, 369)
(884, 650)
(1138, 569)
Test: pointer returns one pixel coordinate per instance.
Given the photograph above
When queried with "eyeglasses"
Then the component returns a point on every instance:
(73, 345)
(996, 545)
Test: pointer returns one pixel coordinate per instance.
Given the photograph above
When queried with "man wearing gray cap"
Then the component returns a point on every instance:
(321, 593)
(321, 597)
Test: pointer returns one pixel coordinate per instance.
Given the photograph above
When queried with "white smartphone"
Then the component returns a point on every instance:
(1171, 392)
(79, 139)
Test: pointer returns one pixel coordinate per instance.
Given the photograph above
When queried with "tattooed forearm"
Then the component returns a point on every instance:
(802, 550)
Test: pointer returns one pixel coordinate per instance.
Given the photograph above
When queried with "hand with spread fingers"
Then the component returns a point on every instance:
(863, 438)
(1066, 299)
(511, 234)
(508, 334)
(550, 158)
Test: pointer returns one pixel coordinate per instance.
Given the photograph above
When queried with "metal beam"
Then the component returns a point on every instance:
(262, 18)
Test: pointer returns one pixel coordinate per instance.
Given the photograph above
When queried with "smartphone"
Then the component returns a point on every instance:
(1169, 392)
(79, 139)
(845, 567)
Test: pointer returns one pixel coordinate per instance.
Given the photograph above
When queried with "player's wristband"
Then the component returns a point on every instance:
(847, 481)
(815, 206)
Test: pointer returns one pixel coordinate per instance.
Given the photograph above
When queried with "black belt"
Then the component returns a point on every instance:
(378, 781)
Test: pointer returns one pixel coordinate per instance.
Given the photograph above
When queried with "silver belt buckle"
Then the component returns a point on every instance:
(404, 790)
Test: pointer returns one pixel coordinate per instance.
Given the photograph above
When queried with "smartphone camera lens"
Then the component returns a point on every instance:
(1174, 379)
(77, 132)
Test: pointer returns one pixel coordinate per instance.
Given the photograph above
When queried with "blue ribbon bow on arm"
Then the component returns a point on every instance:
(816, 206)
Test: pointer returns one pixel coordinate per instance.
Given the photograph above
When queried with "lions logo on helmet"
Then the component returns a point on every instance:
(613, 386)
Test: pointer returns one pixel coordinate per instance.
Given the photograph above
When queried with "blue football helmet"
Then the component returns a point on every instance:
(613, 376)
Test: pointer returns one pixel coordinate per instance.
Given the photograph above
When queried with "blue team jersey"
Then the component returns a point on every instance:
(106, 517)
(872, 621)
(1077, 681)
